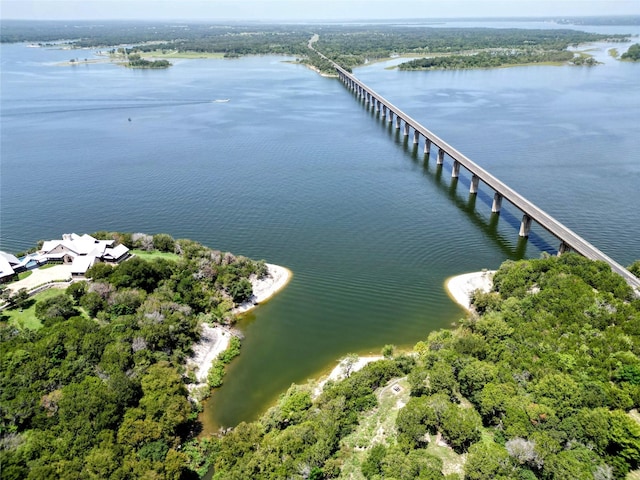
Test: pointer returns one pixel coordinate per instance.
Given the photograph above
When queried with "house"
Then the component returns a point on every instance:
(8, 264)
(79, 251)
(82, 252)
(72, 246)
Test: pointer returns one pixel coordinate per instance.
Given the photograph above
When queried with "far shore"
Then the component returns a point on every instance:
(215, 338)
(461, 287)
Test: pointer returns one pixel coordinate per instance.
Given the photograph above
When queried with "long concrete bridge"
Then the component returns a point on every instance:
(569, 240)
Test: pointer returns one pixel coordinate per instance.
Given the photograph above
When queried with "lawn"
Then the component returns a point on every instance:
(23, 275)
(27, 317)
(155, 254)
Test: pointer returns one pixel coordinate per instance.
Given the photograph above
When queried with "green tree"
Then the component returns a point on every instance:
(487, 460)
(136, 273)
(575, 464)
(99, 271)
(414, 421)
(633, 54)
(241, 290)
(92, 302)
(164, 242)
(474, 376)
(76, 290)
(635, 266)
(460, 427)
(372, 465)
(164, 397)
(19, 299)
(388, 350)
(54, 309)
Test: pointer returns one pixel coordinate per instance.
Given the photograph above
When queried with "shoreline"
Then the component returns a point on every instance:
(338, 372)
(215, 338)
(460, 287)
(264, 289)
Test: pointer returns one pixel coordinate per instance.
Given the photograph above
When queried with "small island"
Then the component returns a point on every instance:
(136, 61)
(633, 54)
(499, 58)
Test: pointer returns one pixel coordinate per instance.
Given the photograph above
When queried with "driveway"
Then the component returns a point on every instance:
(40, 276)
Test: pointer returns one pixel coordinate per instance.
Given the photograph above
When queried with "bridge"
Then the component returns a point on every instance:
(569, 240)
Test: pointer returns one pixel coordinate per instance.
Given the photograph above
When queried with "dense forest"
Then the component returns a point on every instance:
(498, 58)
(347, 45)
(542, 382)
(99, 391)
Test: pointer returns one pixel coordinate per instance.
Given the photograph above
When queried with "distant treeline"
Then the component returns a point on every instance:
(347, 45)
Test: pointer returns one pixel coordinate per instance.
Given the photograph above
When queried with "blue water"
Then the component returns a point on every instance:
(295, 170)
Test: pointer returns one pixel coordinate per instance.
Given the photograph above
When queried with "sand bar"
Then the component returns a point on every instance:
(265, 288)
(461, 287)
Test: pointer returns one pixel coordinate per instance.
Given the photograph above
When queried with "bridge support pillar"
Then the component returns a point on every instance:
(416, 137)
(377, 104)
(384, 112)
(497, 203)
(390, 116)
(406, 129)
(563, 248)
(473, 188)
(427, 146)
(397, 122)
(455, 170)
(440, 159)
(525, 225)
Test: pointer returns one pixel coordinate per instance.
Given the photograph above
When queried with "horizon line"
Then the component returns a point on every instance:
(329, 20)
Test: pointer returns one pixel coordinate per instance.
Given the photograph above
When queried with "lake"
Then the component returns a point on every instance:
(294, 169)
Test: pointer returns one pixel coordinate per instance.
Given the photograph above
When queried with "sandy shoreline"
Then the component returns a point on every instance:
(338, 372)
(459, 289)
(215, 338)
(267, 287)
(462, 286)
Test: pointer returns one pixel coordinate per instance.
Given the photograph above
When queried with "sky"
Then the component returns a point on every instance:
(291, 10)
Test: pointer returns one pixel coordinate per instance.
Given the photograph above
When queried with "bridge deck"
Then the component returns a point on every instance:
(546, 221)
